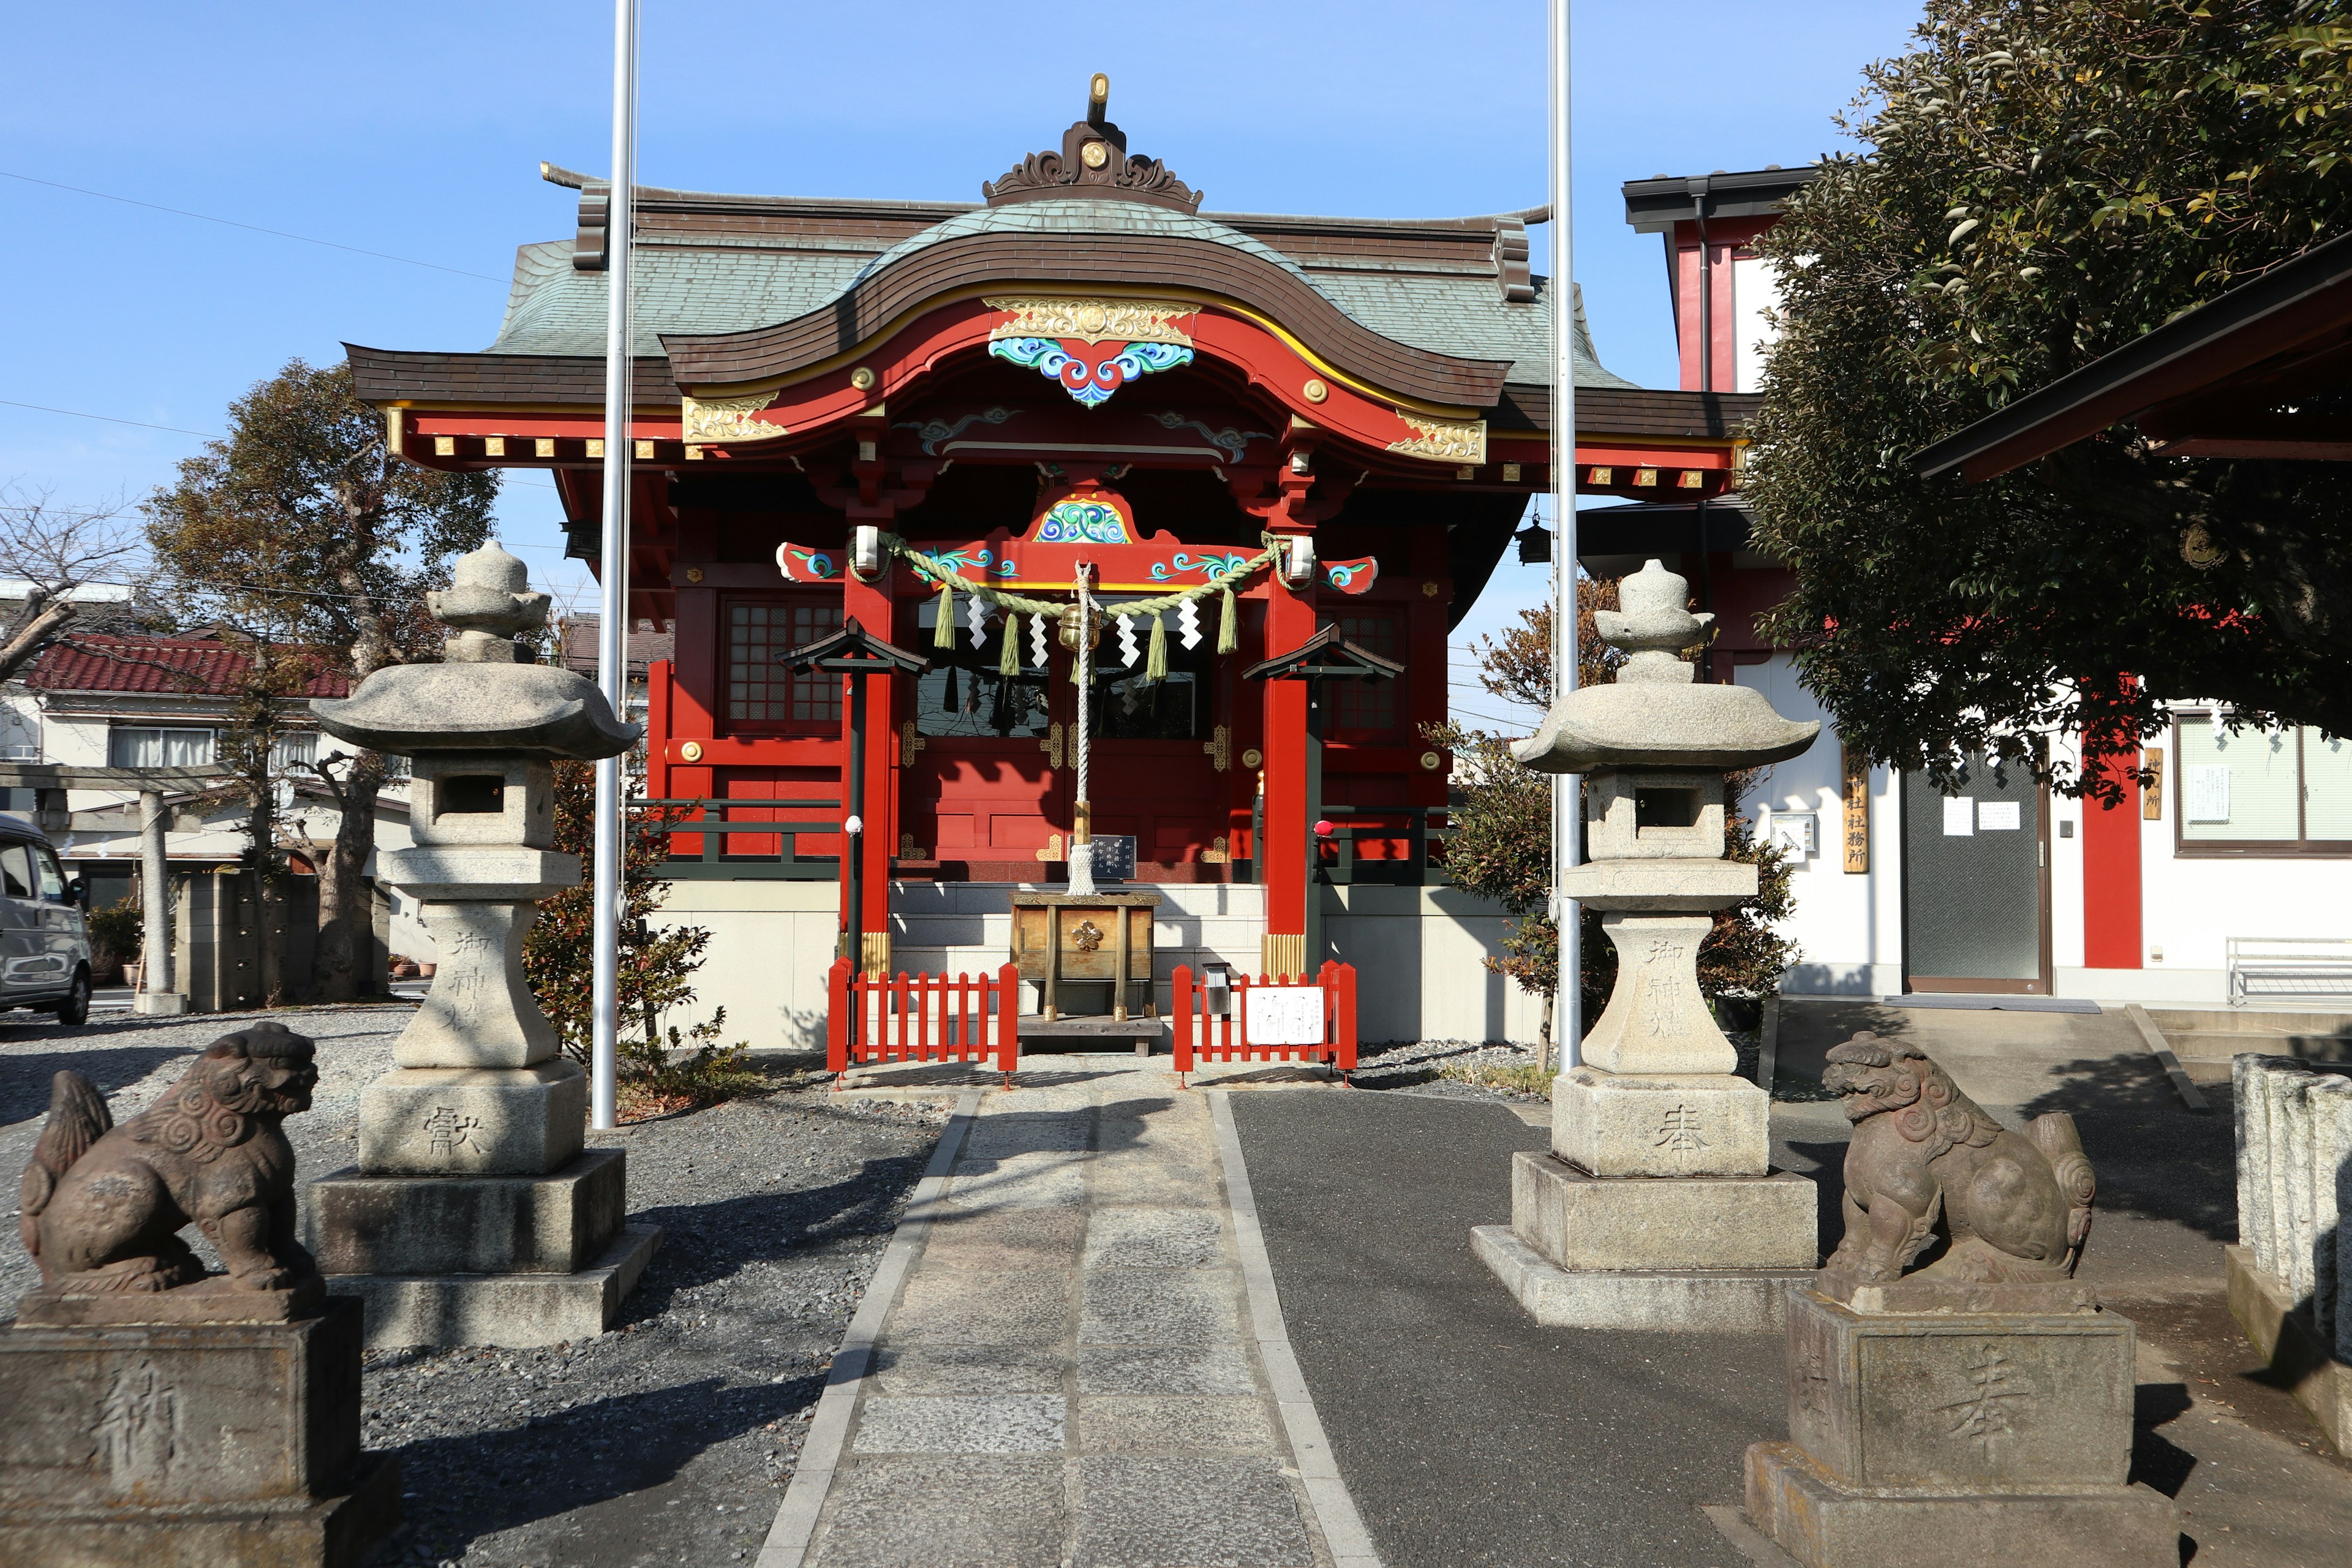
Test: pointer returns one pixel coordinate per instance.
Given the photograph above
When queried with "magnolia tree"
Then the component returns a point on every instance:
(2042, 183)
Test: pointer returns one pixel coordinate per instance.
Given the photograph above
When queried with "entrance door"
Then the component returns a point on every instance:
(1976, 881)
(1153, 763)
(985, 758)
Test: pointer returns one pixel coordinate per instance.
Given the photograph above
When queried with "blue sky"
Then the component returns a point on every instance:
(417, 132)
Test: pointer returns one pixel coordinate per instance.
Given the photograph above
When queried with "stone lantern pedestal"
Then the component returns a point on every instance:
(475, 1216)
(1657, 1208)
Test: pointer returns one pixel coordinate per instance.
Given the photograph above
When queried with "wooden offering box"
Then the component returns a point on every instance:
(1093, 938)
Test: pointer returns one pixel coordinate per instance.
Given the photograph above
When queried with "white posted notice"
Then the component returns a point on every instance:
(1998, 816)
(1959, 815)
(2209, 792)
(1283, 1015)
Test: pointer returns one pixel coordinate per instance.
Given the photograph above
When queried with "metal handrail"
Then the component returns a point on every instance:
(788, 863)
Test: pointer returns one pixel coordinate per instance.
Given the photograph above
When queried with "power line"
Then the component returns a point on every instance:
(110, 419)
(256, 228)
(506, 475)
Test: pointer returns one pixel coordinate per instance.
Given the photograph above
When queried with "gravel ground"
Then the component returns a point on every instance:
(669, 1440)
(1421, 1066)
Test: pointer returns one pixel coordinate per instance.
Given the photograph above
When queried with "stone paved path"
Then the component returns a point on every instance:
(1071, 1356)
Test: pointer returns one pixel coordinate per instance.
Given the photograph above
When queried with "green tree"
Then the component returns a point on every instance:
(2042, 183)
(303, 520)
(657, 1062)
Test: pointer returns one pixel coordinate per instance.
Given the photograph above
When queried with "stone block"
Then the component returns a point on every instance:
(2297, 1353)
(160, 1003)
(1822, 1522)
(1582, 1222)
(109, 1419)
(1656, 1020)
(480, 1012)
(1983, 1402)
(479, 872)
(339, 1530)
(1691, 887)
(474, 1121)
(519, 1312)
(555, 1224)
(1671, 1300)
(1660, 1124)
(457, 798)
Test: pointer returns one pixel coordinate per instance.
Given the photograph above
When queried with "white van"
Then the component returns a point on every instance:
(44, 940)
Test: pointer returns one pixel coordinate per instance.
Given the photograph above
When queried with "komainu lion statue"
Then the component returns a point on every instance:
(102, 1205)
(1927, 1162)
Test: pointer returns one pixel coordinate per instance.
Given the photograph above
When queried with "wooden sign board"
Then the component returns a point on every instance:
(1856, 772)
(1283, 1015)
(2152, 799)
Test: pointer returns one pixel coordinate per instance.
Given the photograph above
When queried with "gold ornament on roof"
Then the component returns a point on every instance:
(725, 419)
(1092, 320)
(1443, 440)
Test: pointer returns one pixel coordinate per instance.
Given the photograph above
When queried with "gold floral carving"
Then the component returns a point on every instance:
(1092, 320)
(1444, 440)
(723, 419)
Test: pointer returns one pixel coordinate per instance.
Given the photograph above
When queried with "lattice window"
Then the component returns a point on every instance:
(1366, 708)
(761, 692)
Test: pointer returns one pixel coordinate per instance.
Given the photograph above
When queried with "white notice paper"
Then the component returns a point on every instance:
(1997, 816)
(1959, 815)
(2209, 792)
(1283, 1015)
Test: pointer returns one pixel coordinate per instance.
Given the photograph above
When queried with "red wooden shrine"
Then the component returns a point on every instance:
(1084, 369)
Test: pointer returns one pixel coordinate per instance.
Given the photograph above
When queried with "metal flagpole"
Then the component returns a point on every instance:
(1567, 789)
(612, 628)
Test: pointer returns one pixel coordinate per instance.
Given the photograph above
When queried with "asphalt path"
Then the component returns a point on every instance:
(1467, 1434)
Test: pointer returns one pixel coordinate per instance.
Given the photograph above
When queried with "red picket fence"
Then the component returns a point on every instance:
(922, 1018)
(1200, 1033)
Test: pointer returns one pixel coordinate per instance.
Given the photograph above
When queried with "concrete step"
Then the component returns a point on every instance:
(2220, 1045)
(2252, 1019)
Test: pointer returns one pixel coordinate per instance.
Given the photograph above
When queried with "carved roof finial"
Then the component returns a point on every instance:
(1093, 162)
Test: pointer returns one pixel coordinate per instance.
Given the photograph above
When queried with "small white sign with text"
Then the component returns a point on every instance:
(1998, 816)
(1959, 817)
(1283, 1014)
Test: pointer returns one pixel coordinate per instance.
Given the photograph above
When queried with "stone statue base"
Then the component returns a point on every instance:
(469, 1120)
(209, 1301)
(1714, 1254)
(1656, 1209)
(1661, 1124)
(511, 1260)
(159, 1446)
(1950, 1437)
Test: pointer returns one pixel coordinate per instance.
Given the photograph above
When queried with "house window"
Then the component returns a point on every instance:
(759, 691)
(159, 746)
(2249, 790)
(295, 753)
(20, 732)
(1368, 709)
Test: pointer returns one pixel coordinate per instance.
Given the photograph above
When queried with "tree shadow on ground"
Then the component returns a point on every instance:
(556, 1464)
(25, 1085)
(2153, 1156)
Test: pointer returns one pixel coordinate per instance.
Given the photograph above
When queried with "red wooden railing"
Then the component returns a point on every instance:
(1224, 1036)
(922, 1018)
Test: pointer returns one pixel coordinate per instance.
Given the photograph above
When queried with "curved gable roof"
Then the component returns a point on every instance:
(1083, 242)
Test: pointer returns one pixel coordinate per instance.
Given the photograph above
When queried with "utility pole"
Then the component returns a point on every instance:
(612, 628)
(1567, 789)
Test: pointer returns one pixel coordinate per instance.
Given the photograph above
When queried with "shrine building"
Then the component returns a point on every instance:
(1245, 432)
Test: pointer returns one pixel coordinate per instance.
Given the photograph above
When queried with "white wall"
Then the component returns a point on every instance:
(1848, 927)
(1417, 952)
(1755, 290)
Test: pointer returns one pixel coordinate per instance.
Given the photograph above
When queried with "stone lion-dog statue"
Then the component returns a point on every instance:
(102, 1205)
(1928, 1163)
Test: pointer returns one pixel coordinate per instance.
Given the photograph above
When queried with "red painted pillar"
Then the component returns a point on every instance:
(2111, 891)
(1289, 621)
(870, 605)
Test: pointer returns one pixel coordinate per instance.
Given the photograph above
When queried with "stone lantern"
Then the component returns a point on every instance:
(475, 1216)
(1657, 1208)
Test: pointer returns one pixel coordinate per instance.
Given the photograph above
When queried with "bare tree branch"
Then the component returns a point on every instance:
(52, 551)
